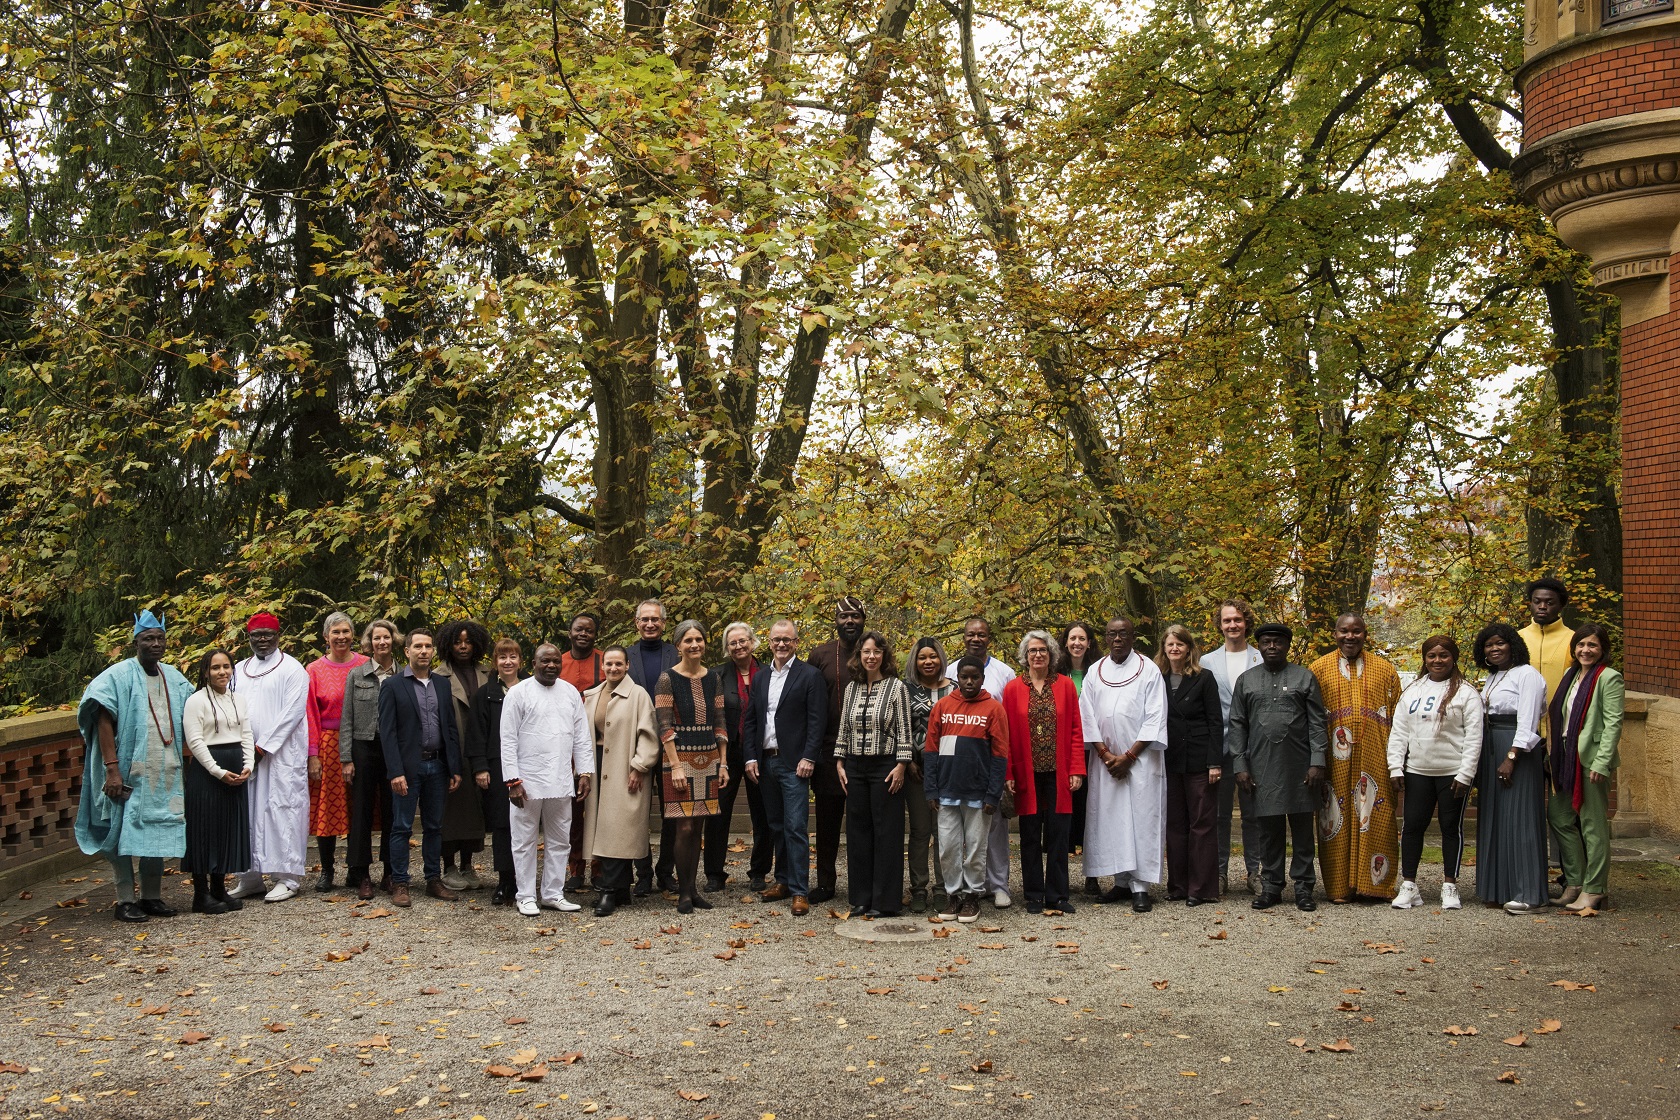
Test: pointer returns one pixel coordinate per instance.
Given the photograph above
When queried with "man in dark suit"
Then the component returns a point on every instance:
(830, 659)
(650, 657)
(422, 761)
(782, 739)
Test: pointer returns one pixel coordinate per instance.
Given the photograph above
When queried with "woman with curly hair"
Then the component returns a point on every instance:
(462, 646)
(1511, 809)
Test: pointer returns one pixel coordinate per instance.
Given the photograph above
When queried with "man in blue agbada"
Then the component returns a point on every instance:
(130, 719)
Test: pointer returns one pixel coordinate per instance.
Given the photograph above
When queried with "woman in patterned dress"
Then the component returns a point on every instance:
(688, 705)
(329, 803)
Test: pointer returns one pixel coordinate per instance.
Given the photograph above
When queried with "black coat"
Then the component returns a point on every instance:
(801, 715)
(484, 749)
(732, 709)
(399, 727)
(1195, 724)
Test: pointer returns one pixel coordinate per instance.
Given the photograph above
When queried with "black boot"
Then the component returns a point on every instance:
(203, 901)
(218, 891)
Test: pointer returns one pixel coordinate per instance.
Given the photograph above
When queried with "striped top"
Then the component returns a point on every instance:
(875, 720)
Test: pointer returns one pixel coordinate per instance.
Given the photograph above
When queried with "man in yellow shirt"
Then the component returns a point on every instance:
(1548, 640)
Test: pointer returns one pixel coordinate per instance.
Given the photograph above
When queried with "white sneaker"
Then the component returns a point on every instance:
(1515, 907)
(562, 903)
(471, 880)
(528, 907)
(1001, 899)
(454, 880)
(247, 888)
(1449, 897)
(281, 892)
(1408, 897)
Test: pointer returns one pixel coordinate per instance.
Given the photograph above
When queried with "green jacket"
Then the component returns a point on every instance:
(1601, 731)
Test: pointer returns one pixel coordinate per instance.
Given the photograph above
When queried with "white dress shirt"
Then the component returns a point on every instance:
(1520, 692)
(778, 681)
(546, 738)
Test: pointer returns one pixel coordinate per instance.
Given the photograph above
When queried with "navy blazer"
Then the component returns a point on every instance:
(399, 726)
(668, 656)
(801, 714)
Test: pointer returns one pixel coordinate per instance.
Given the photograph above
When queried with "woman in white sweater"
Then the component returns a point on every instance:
(1433, 749)
(217, 729)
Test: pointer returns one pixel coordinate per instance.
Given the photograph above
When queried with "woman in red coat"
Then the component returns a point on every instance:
(1046, 766)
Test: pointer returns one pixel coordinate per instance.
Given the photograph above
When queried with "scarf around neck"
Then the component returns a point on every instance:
(1565, 754)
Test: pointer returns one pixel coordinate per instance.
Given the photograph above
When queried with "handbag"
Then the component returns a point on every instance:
(1006, 803)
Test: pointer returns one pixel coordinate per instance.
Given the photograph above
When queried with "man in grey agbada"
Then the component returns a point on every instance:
(1276, 740)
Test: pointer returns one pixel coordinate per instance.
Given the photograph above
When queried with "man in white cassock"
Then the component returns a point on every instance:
(275, 689)
(548, 758)
(1124, 710)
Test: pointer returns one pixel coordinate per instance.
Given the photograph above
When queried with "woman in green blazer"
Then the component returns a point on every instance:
(1585, 718)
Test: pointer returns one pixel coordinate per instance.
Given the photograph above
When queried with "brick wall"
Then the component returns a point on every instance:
(1651, 497)
(40, 786)
(1630, 79)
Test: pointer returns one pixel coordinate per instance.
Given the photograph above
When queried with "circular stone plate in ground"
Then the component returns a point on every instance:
(893, 929)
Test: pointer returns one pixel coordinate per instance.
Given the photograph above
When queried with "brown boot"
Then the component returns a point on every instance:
(776, 893)
(436, 889)
(800, 907)
(399, 894)
(364, 889)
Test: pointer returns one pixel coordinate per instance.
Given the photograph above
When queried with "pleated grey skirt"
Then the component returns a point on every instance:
(218, 817)
(1510, 820)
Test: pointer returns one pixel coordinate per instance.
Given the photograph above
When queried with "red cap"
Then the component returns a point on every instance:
(262, 620)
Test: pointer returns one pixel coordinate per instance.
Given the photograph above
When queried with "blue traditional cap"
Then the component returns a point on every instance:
(146, 620)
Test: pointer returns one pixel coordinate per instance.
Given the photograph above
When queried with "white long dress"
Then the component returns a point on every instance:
(1125, 821)
(277, 697)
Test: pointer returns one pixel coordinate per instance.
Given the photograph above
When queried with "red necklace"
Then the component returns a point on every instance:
(250, 676)
(1102, 676)
(168, 740)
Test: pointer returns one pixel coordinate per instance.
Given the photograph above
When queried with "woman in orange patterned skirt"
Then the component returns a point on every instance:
(688, 705)
(329, 804)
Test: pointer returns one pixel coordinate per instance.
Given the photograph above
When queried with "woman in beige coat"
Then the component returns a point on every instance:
(615, 827)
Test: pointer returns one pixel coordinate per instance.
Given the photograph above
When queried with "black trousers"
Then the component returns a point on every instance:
(370, 807)
(715, 844)
(830, 814)
(1044, 845)
(616, 875)
(874, 836)
(1269, 836)
(1427, 797)
(495, 804)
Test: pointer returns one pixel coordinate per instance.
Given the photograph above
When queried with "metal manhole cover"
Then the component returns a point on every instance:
(893, 929)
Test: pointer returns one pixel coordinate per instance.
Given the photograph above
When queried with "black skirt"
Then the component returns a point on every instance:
(218, 817)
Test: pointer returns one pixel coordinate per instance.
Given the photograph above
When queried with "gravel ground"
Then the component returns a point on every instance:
(1216, 1011)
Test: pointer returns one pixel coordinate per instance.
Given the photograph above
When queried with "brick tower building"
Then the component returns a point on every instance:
(1600, 90)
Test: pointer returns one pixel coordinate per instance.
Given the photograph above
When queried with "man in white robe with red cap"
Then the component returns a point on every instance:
(275, 689)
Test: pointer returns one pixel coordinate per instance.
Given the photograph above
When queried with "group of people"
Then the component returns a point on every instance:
(1137, 762)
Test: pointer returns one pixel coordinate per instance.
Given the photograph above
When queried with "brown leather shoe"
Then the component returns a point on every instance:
(364, 889)
(775, 893)
(800, 907)
(436, 889)
(399, 894)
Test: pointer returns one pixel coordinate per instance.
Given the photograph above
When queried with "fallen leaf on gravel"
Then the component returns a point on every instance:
(500, 1071)
(570, 1058)
(718, 1023)
(276, 1028)
(737, 943)
(884, 991)
(738, 846)
(971, 1008)
(155, 1009)
(1573, 986)
(1509, 1077)
(1299, 1042)
(1549, 1026)
(1347, 1006)
(808, 933)
(1353, 991)
(741, 925)
(1427, 960)
(641, 944)
(535, 1073)
(525, 1056)
(1188, 1073)
(692, 1094)
(1160, 985)
(389, 1091)
(672, 930)
(934, 919)
(726, 955)
(1518, 1039)
(430, 992)
(1220, 936)
(1459, 1031)
(345, 954)
(996, 945)
(71, 903)
(1067, 944)
(982, 1066)
(513, 968)
(991, 929)
(606, 941)
(230, 951)
(1277, 989)
(1382, 947)
(1340, 1046)
(377, 1042)
(833, 913)
(300, 1069)
(1029, 937)
(191, 1038)
(928, 979)
(942, 932)
(1583, 912)
(591, 1106)
(959, 960)
(380, 913)
(1057, 999)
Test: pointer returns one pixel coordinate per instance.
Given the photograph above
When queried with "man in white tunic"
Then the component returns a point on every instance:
(548, 759)
(275, 689)
(1124, 710)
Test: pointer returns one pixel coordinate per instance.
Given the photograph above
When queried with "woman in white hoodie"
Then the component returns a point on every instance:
(1433, 750)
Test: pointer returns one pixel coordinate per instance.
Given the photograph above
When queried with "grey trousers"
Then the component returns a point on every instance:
(962, 848)
(997, 853)
(1229, 798)
(1269, 839)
